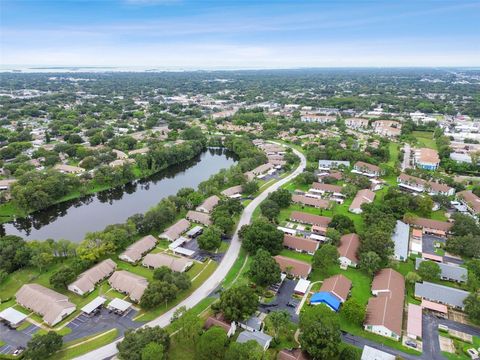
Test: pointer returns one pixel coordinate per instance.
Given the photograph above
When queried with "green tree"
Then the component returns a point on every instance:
(14, 253)
(429, 270)
(333, 235)
(370, 262)
(42, 346)
(353, 311)
(250, 188)
(134, 341)
(464, 225)
(188, 324)
(412, 278)
(62, 277)
(153, 351)
(250, 350)
(320, 333)
(343, 224)
(277, 323)
(270, 209)
(238, 303)
(282, 197)
(212, 344)
(261, 234)
(264, 270)
(472, 307)
(325, 257)
(158, 293)
(210, 239)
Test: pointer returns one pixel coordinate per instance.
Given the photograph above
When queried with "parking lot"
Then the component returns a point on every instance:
(14, 339)
(284, 300)
(105, 320)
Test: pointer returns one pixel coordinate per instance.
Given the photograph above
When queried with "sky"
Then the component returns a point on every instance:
(229, 34)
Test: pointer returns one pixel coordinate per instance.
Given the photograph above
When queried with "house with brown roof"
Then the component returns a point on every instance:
(429, 226)
(326, 188)
(87, 280)
(139, 248)
(364, 196)
(363, 168)
(310, 219)
(338, 285)
(233, 192)
(173, 232)
(347, 249)
(199, 217)
(385, 310)
(426, 158)
(300, 244)
(157, 260)
(128, 283)
(295, 354)
(418, 185)
(68, 169)
(208, 205)
(470, 200)
(51, 305)
(219, 320)
(311, 201)
(356, 123)
(296, 268)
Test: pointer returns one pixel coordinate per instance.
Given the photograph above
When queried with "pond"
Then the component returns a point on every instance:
(71, 220)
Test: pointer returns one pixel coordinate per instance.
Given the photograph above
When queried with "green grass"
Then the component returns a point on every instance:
(90, 345)
(296, 255)
(425, 139)
(235, 269)
(393, 149)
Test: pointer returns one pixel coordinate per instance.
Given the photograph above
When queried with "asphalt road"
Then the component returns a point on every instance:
(218, 276)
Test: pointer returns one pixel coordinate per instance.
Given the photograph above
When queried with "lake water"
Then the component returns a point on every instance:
(71, 220)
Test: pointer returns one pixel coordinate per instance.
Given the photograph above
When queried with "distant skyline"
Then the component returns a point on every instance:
(210, 34)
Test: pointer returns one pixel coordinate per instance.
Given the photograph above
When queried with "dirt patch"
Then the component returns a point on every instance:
(446, 344)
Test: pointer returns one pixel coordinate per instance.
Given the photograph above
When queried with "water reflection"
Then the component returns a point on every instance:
(72, 219)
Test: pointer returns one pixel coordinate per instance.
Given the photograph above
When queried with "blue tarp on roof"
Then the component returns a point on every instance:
(326, 298)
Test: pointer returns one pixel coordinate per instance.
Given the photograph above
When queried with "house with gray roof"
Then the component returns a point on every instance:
(441, 294)
(261, 338)
(449, 272)
(401, 238)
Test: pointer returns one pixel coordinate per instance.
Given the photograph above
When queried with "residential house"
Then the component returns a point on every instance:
(300, 244)
(356, 123)
(233, 192)
(51, 305)
(319, 223)
(426, 158)
(327, 299)
(296, 268)
(87, 280)
(311, 201)
(173, 232)
(5, 184)
(441, 294)
(385, 309)
(219, 320)
(470, 200)
(208, 205)
(338, 285)
(128, 283)
(321, 119)
(68, 169)
(415, 184)
(370, 353)
(347, 249)
(363, 168)
(429, 226)
(135, 252)
(332, 164)
(364, 196)
(295, 354)
(449, 272)
(261, 338)
(157, 260)
(401, 238)
(199, 217)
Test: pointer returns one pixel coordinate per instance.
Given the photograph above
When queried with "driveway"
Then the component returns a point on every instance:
(428, 243)
(13, 338)
(83, 325)
(283, 297)
(220, 272)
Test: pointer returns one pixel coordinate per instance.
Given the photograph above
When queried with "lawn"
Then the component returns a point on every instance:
(393, 149)
(425, 139)
(296, 255)
(88, 344)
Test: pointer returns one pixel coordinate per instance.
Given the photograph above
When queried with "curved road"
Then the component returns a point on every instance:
(218, 275)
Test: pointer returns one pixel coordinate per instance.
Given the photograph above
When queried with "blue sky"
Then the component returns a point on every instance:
(209, 34)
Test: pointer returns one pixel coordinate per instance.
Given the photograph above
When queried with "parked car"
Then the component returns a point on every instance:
(411, 343)
(473, 353)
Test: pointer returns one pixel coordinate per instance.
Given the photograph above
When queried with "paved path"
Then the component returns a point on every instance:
(218, 276)
(406, 164)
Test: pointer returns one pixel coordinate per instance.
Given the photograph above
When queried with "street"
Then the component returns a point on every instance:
(220, 273)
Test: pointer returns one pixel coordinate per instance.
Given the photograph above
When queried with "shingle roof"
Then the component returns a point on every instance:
(305, 200)
(173, 232)
(442, 294)
(471, 199)
(296, 267)
(129, 283)
(311, 219)
(138, 248)
(449, 271)
(300, 243)
(429, 223)
(338, 285)
(159, 259)
(209, 203)
(88, 279)
(199, 217)
(348, 247)
(363, 196)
